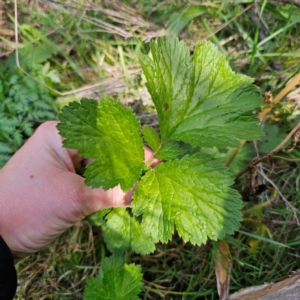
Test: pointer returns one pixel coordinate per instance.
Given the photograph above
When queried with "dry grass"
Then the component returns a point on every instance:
(60, 270)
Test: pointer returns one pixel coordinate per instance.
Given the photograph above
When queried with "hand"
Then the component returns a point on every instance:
(41, 195)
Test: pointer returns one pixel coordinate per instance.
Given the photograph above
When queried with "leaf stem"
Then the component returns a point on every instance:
(151, 159)
(234, 153)
(153, 156)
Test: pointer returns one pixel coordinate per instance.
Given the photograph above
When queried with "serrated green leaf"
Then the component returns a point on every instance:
(172, 150)
(200, 100)
(79, 126)
(116, 281)
(167, 79)
(192, 194)
(108, 133)
(151, 137)
(122, 231)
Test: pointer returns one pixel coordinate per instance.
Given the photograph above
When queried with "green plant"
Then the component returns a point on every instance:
(200, 104)
(24, 102)
(115, 281)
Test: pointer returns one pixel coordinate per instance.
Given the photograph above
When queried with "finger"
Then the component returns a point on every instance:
(148, 155)
(115, 197)
(98, 199)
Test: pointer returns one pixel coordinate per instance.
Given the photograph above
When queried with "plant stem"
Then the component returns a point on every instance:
(283, 92)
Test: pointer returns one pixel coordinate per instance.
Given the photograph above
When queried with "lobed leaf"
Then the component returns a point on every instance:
(115, 281)
(122, 231)
(192, 194)
(167, 77)
(108, 133)
(200, 100)
(151, 137)
(172, 150)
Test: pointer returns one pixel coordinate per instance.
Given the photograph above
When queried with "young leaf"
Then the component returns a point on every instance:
(115, 281)
(200, 101)
(167, 81)
(151, 137)
(122, 231)
(172, 150)
(108, 133)
(194, 195)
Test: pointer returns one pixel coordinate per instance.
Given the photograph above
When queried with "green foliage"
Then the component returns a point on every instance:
(122, 231)
(115, 281)
(151, 137)
(200, 98)
(109, 133)
(173, 150)
(200, 103)
(24, 103)
(197, 102)
(191, 193)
